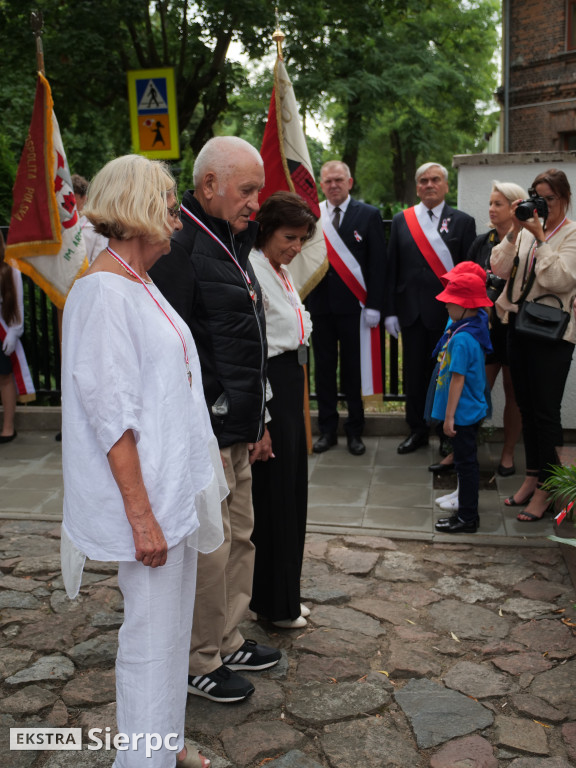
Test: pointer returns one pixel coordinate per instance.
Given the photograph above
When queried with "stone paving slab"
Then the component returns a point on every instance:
(379, 492)
(397, 668)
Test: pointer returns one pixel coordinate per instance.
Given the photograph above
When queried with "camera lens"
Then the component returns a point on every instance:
(525, 210)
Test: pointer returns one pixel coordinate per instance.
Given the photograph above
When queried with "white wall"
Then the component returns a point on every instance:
(475, 176)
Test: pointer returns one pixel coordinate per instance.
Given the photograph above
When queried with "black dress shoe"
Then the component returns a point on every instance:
(442, 468)
(442, 522)
(8, 438)
(325, 442)
(356, 446)
(413, 442)
(506, 471)
(455, 525)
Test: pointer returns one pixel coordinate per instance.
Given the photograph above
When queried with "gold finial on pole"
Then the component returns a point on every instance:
(278, 36)
(37, 24)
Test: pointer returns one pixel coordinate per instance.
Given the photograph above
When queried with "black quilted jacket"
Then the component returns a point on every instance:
(209, 292)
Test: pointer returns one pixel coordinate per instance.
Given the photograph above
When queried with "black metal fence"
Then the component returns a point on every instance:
(42, 345)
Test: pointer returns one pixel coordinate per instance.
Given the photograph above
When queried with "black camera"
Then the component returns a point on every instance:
(494, 286)
(536, 203)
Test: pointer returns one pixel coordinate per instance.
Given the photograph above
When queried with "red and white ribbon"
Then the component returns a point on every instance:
(245, 275)
(134, 274)
(350, 272)
(24, 383)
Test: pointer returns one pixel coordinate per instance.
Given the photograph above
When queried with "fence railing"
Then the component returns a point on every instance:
(41, 342)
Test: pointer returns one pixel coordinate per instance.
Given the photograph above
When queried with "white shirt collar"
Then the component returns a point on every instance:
(437, 210)
(330, 208)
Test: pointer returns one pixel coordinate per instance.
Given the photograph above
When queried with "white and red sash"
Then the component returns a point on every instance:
(350, 272)
(24, 384)
(430, 244)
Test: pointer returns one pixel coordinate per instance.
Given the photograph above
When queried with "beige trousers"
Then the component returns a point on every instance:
(224, 580)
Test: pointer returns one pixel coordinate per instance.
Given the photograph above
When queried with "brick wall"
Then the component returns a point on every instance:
(542, 76)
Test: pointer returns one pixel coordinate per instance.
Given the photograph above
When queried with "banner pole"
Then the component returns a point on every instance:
(37, 24)
(278, 37)
(307, 419)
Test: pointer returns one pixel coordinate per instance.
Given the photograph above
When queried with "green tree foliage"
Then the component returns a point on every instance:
(409, 81)
(398, 81)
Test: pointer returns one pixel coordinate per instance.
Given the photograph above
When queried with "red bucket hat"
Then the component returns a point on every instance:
(469, 267)
(466, 289)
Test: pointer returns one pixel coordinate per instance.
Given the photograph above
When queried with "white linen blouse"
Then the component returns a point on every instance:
(283, 330)
(123, 368)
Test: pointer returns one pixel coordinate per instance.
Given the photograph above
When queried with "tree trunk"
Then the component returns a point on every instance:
(353, 135)
(403, 169)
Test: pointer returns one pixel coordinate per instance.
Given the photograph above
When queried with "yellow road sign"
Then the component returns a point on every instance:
(153, 113)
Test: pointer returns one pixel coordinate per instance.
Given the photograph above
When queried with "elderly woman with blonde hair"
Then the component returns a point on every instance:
(142, 476)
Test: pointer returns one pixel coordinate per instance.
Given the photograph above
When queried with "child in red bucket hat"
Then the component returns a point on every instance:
(459, 399)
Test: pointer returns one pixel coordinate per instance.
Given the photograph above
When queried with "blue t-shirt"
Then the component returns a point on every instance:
(462, 354)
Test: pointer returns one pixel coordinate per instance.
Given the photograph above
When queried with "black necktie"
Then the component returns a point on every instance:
(431, 214)
(336, 219)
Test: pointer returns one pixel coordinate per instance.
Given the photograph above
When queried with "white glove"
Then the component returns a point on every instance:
(370, 317)
(392, 325)
(9, 344)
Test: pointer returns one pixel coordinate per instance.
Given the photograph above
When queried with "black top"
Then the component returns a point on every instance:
(210, 293)
(481, 249)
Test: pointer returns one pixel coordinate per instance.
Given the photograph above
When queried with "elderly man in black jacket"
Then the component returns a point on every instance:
(208, 279)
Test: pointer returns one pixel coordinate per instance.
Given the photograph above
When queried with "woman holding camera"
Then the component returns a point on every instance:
(538, 259)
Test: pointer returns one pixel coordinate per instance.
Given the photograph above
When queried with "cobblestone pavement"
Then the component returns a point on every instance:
(418, 653)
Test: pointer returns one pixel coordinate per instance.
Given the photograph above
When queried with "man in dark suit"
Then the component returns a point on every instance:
(356, 232)
(425, 242)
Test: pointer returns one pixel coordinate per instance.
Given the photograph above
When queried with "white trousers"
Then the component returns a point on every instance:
(152, 661)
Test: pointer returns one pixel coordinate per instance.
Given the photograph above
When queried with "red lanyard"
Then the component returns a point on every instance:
(293, 297)
(130, 271)
(245, 275)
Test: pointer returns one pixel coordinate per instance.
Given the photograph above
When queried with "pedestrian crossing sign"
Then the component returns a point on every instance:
(153, 113)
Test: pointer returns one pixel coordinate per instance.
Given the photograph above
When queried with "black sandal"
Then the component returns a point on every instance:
(511, 502)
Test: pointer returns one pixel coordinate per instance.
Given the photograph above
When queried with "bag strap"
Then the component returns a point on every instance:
(550, 296)
(529, 281)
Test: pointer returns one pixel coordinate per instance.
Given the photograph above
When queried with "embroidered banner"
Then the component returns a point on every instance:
(287, 167)
(45, 239)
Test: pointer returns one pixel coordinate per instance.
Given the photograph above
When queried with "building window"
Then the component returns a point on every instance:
(571, 24)
(568, 141)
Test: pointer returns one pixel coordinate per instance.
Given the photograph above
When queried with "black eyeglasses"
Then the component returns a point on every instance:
(174, 212)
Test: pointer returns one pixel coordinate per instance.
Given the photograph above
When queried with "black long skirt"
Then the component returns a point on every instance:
(280, 496)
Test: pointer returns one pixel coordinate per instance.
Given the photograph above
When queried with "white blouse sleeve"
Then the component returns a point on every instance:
(105, 353)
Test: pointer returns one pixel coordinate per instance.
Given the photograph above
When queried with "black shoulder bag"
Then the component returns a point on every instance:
(539, 321)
